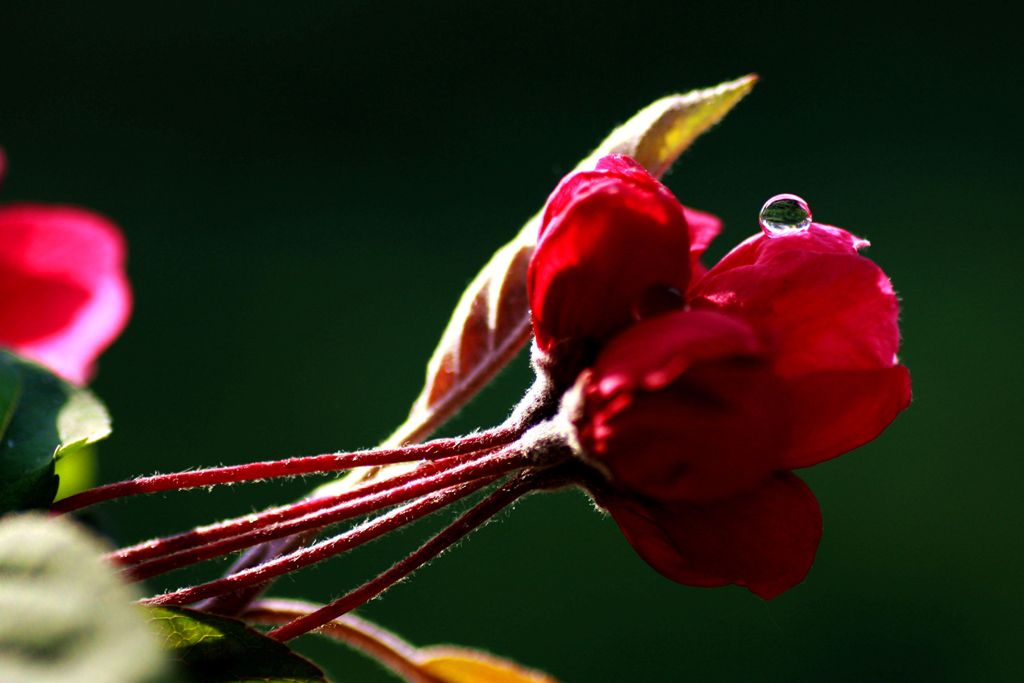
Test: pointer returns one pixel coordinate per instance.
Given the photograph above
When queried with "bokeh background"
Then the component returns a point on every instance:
(306, 190)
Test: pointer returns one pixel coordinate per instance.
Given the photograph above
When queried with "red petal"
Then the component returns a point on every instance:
(820, 239)
(617, 167)
(704, 228)
(63, 292)
(607, 238)
(835, 412)
(714, 433)
(654, 352)
(765, 540)
(822, 306)
(678, 408)
(625, 165)
(614, 167)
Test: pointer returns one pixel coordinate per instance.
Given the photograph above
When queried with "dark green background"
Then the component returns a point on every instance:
(305, 192)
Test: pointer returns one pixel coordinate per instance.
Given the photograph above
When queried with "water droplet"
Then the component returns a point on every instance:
(784, 214)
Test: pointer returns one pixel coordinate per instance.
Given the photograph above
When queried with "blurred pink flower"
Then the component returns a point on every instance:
(64, 295)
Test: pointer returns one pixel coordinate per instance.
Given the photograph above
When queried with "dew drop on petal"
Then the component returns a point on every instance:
(784, 214)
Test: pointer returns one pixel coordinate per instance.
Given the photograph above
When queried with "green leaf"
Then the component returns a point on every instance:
(65, 617)
(50, 418)
(76, 470)
(10, 393)
(214, 649)
(83, 420)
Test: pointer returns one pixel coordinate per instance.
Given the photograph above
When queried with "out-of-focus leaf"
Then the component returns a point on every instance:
(10, 392)
(461, 665)
(491, 322)
(65, 617)
(51, 418)
(82, 420)
(212, 649)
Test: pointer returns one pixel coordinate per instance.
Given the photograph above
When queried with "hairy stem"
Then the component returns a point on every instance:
(523, 420)
(159, 547)
(488, 468)
(269, 469)
(317, 552)
(459, 529)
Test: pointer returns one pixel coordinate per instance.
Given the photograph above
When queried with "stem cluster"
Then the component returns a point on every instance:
(446, 471)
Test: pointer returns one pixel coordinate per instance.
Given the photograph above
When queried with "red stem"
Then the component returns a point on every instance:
(487, 467)
(159, 547)
(313, 464)
(469, 521)
(323, 550)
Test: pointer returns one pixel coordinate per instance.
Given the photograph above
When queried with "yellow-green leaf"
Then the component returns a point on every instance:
(463, 665)
(661, 131)
(76, 471)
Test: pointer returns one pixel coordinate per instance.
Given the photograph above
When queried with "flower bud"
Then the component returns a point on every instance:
(607, 237)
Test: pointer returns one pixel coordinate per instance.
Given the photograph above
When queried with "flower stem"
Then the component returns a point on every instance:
(380, 644)
(488, 467)
(323, 550)
(159, 547)
(313, 464)
(459, 529)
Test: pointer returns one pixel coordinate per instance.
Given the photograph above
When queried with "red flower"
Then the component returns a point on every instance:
(780, 356)
(64, 295)
(609, 239)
